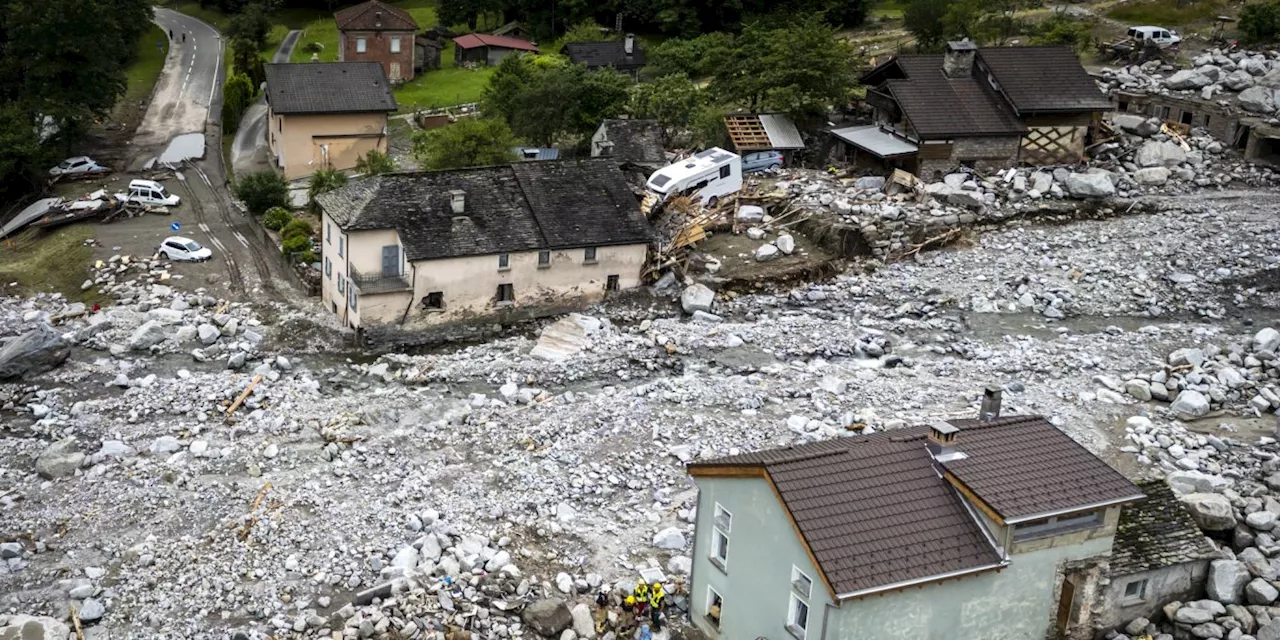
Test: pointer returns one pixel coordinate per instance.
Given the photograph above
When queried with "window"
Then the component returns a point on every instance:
(506, 293)
(341, 245)
(720, 537)
(504, 261)
(544, 259)
(1164, 113)
(1187, 117)
(351, 298)
(724, 171)
(1136, 590)
(798, 617)
(589, 255)
(1206, 120)
(1056, 525)
(328, 233)
(715, 605)
(360, 45)
(328, 269)
(800, 582)
(342, 284)
(434, 300)
(611, 283)
(395, 45)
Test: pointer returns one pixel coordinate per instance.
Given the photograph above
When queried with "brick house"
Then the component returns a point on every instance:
(989, 108)
(376, 31)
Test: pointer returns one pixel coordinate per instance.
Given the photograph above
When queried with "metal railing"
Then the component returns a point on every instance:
(379, 282)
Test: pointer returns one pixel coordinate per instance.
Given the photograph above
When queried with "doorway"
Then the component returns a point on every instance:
(1066, 605)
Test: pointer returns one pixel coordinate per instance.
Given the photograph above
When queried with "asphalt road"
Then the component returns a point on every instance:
(188, 85)
(249, 151)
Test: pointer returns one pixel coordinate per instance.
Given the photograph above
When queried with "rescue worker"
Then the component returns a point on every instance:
(657, 597)
(628, 616)
(642, 596)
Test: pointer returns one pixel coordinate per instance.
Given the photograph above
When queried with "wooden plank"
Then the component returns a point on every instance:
(973, 498)
(727, 471)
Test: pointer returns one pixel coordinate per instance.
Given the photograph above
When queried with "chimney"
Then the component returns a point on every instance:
(942, 442)
(958, 60)
(629, 44)
(990, 403)
(458, 201)
(377, 19)
(604, 148)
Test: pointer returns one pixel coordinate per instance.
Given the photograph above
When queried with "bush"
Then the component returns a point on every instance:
(263, 190)
(237, 94)
(323, 181)
(1062, 29)
(276, 218)
(297, 228)
(312, 47)
(295, 244)
(308, 257)
(375, 162)
(1260, 22)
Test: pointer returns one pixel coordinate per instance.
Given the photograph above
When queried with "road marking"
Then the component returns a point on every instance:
(217, 64)
(205, 228)
(241, 238)
(217, 243)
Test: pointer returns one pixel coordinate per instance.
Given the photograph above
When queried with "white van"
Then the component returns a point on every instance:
(707, 175)
(148, 192)
(1159, 35)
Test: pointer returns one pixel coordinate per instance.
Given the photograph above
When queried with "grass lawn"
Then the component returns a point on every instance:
(1166, 13)
(53, 261)
(217, 19)
(145, 70)
(445, 87)
(323, 30)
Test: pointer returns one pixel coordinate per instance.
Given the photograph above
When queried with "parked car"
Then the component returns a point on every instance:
(183, 249)
(79, 166)
(148, 192)
(761, 160)
(1159, 35)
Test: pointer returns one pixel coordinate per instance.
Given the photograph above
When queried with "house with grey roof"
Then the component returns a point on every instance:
(625, 57)
(326, 115)
(976, 529)
(418, 250)
(630, 142)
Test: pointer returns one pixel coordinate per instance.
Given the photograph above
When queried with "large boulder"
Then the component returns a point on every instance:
(969, 199)
(61, 459)
(1192, 615)
(1211, 511)
(29, 628)
(548, 617)
(1259, 591)
(1227, 579)
(1151, 176)
(1190, 404)
(1267, 339)
(1238, 80)
(1157, 153)
(1189, 79)
(1257, 100)
(151, 333)
(33, 353)
(697, 297)
(566, 337)
(1196, 482)
(1269, 632)
(670, 538)
(583, 625)
(1090, 185)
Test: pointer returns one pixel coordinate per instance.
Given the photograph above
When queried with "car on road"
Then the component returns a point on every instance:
(1160, 36)
(148, 192)
(761, 161)
(78, 166)
(180, 249)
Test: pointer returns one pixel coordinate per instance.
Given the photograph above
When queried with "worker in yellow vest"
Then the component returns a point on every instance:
(642, 596)
(657, 597)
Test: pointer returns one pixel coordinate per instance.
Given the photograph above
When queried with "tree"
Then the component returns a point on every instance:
(846, 13)
(455, 12)
(542, 99)
(470, 142)
(237, 94)
(923, 18)
(375, 162)
(245, 59)
(262, 190)
(276, 218)
(251, 24)
(708, 127)
(586, 31)
(672, 100)
(323, 181)
(1260, 22)
(1063, 29)
(697, 57)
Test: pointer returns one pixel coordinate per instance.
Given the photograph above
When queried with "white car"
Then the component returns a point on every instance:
(79, 166)
(182, 249)
(1159, 35)
(148, 192)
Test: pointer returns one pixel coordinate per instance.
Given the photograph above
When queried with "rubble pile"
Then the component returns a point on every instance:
(1247, 79)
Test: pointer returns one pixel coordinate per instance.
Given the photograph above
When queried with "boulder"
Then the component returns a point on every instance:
(1269, 632)
(1259, 591)
(32, 353)
(1137, 626)
(1257, 99)
(869, 183)
(1227, 579)
(1151, 176)
(1238, 80)
(785, 243)
(563, 339)
(1196, 482)
(1156, 153)
(1207, 631)
(697, 297)
(670, 538)
(970, 199)
(29, 628)
(583, 625)
(1211, 511)
(1190, 404)
(1267, 339)
(151, 333)
(1192, 615)
(1041, 181)
(1090, 185)
(208, 334)
(548, 617)
(750, 213)
(767, 252)
(1189, 79)
(61, 459)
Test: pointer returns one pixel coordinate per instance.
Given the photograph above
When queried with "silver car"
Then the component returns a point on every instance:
(78, 166)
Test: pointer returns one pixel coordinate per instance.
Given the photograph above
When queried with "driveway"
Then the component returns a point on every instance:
(249, 151)
(186, 88)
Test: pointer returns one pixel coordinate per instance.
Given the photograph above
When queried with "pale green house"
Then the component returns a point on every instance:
(970, 530)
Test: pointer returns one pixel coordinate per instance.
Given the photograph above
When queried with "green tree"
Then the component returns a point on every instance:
(297, 228)
(237, 94)
(245, 59)
(585, 31)
(846, 13)
(708, 127)
(1260, 22)
(262, 190)
(923, 18)
(276, 218)
(323, 181)
(1063, 29)
(251, 24)
(674, 101)
(696, 57)
(470, 142)
(455, 12)
(541, 99)
(375, 162)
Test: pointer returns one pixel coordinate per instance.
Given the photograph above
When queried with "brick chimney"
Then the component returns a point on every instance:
(942, 442)
(957, 62)
(990, 403)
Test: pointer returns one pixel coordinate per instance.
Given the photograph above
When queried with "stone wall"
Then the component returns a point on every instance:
(984, 154)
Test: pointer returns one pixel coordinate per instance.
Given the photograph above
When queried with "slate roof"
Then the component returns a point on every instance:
(635, 141)
(520, 207)
(328, 87)
(605, 54)
(364, 17)
(942, 107)
(875, 511)
(1156, 531)
(473, 40)
(1046, 79)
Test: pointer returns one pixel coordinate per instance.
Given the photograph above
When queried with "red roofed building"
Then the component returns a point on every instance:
(376, 31)
(485, 49)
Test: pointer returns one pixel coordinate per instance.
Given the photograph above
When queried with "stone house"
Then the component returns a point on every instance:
(378, 32)
(980, 529)
(325, 115)
(626, 56)
(630, 142)
(1159, 555)
(1222, 119)
(989, 109)
(418, 250)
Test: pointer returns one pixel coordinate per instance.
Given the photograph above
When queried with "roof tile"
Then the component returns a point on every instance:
(328, 87)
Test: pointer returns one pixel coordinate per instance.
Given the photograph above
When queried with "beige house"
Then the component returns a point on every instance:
(326, 115)
(424, 249)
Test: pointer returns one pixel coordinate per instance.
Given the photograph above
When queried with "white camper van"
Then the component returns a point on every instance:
(707, 176)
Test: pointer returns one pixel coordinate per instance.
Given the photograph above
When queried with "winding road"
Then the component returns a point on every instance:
(188, 86)
(249, 151)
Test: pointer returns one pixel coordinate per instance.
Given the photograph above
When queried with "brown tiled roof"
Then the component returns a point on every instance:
(875, 511)
(365, 17)
(1046, 79)
(1023, 467)
(1156, 531)
(942, 107)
